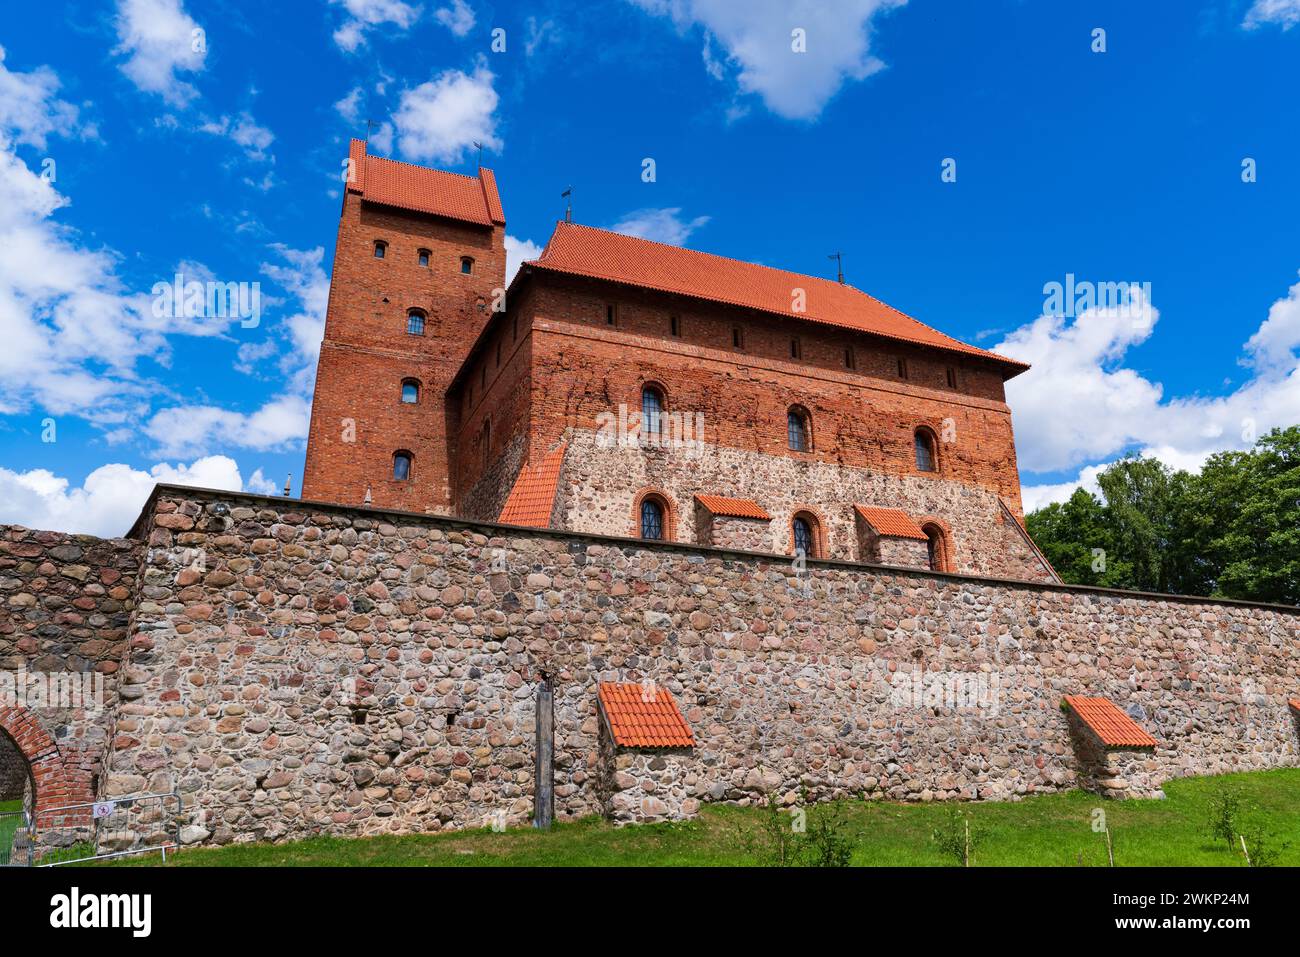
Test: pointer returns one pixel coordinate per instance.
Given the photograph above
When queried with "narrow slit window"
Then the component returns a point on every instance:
(381, 249)
(611, 314)
(850, 361)
(902, 368)
(675, 326)
(952, 377)
(737, 337)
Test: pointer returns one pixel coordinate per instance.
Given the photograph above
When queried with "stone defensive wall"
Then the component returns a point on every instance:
(296, 668)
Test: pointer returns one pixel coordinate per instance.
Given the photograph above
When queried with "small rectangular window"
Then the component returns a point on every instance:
(902, 368)
(849, 361)
(795, 349)
(737, 338)
(424, 257)
(952, 377)
(609, 314)
(675, 326)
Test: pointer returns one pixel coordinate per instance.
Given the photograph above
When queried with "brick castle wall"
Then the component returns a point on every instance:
(358, 418)
(355, 672)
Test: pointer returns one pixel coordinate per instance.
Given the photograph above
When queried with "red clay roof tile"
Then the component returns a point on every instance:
(533, 496)
(1295, 705)
(644, 716)
(733, 507)
(472, 199)
(890, 521)
(598, 253)
(1115, 728)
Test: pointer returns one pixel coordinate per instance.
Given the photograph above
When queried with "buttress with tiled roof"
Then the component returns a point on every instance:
(629, 388)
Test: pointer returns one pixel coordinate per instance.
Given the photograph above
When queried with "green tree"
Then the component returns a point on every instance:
(1231, 530)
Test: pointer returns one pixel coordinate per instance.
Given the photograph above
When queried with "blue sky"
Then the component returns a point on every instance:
(132, 148)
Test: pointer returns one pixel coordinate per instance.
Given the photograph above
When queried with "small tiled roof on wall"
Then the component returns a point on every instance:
(600, 254)
(1295, 705)
(1115, 728)
(641, 717)
(733, 507)
(890, 522)
(471, 199)
(531, 500)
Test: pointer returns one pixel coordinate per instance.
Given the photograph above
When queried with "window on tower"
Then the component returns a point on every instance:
(415, 323)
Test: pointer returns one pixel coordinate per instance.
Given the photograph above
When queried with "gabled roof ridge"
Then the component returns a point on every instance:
(603, 254)
(428, 169)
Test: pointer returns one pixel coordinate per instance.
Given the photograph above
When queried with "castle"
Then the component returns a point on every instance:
(626, 387)
(647, 529)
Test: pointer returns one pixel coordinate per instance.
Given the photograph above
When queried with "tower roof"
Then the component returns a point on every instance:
(470, 199)
(601, 254)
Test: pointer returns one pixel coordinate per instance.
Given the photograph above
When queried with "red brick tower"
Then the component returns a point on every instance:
(419, 255)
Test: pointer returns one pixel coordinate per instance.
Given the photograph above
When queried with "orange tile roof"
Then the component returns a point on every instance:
(598, 253)
(473, 199)
(733, 507)
(639, 723)
(1295, 704)
(1115, 728)
(890, 521)
(533, 496)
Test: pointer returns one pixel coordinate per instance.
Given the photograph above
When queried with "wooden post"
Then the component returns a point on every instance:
(544, 757)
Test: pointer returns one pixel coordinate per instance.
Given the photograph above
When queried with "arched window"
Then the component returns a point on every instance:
(423, 257)
(652, 408)
(927, 460)
(415, 323)
(652, 518)
(466, 265)
(401, 466)
(381, 248)
(936, 547)
(410, 391)
(804, 529)
(799, 429)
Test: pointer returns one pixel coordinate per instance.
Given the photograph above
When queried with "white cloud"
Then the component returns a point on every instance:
(1036, 496)
(1272, 347)
(160, 40)
(519, 251)
(1283, 12)
(244, 132)
(305, 279)
(365, 14)
(29, 109)
(458, 18)
(440, 120)
(1080, 406)
(280, 424)
(661, 225)
(350, 106)
(111, 497)
(757, 38)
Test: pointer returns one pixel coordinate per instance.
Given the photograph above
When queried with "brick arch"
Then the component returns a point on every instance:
(55, 781)
(821, 534)
(947, 549)
(669, 508)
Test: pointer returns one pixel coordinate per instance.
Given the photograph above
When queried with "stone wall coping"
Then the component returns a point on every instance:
(300, 504)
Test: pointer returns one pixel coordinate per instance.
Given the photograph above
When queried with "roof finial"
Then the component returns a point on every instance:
(367, 499)
(288, 484)
(568, 208)
(839, 268)
(479, 146)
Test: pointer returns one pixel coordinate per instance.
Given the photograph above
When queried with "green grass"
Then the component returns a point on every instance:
(8, 825)
(1048, 830)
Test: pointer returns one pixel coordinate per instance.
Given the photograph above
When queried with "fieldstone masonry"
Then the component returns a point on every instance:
(296, 668)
